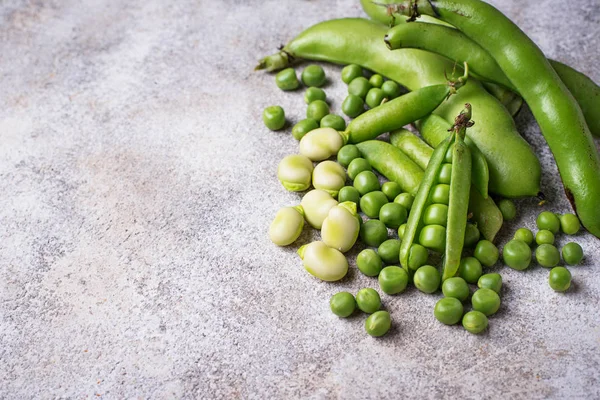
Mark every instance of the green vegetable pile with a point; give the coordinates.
(447, 191)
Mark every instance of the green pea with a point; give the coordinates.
(436, 214)
(287, 80)
(372, 202)
(373, 233)
(348, 193)
(378, 323)
(490, 281)
(486, 301)
(572, 253)
(445, 173)
(417, 256)
(376, 80)
(313, 75)
(449, 154)
(369, 262)
(391, 190)
(440, 194)
(353, 106)
(508, 209)
(544, 237)
(433, 237)
(391, 89)
(486, 253)
(472, 236)
(303, 127)
(389, 251)
(359, 87)
(342, 304)
(474, 322)
(393, 280)
(350, 72)
(559, 279)
(347, 153)
(317, 110)
(375, 97)
(569, 223)
(517, 255)
(314, 93)
(456, 287)
(405, 199)
(448, 310)
(427, 279)
(393, 215)
(368, 300)
(333, 121)
(470, 269)
(549, 221)
(274, 117)
(524, 235)
(357, 166)
(366, 182)
(401, 231)
(547, 255)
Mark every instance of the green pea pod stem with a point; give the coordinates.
(456, 46)
(560, 118)
(359, 41)
(412, 146)
(392, 163)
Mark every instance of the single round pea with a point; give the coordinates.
(369, 262)
(433, 237)
(448, 310)
(549, 221)
(393, 279)
(347, 153)
(470, 269)
(486, 253)
(350, 72)
(366, 182)
(391, 89)
(357, 166)
(436, 214)
(441, 194)
(572, 253)
(401, 231)
(378, 323)
(376, 80)
(490, 281)
(456, 287)
(389, 251)
(544, 237)
(405, 199)
(317, 110)
(303, 127)
(569, 223)
(559, 279)
(359, 87)
(524, 235)
(472, 236)
(374, 97)
(314, 93)
(333, 121)
(445, 173)
(274, 117)
(449, 154)
(313, 75)
(508, 209)
(371, 204)
(353, 106)
(547, 255)
(474, 322)
(486, 301)
(427, 279)
(373, 233)
(517, 255)
(391, 190)
(417, 256)
(348, 193)
(393, 215)
(342, 304)
(368, 300)
(287, 80)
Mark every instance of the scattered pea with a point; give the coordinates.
(366, 182)
(391, 89)
(348, 153)
(313, 75)
(333, 121)
(470, 269)
(393, 280)
(486, 301)
(350, 72)
(359, 87)
(373, 233)
(405, 199)
(475, 322)
(389, 251)
(448, 310)
(549, 221)
(486, 253)
(524, 235)
(303, 127)
(375, 97)
(372, 202)
(353, 106)
(456, 287)
(368, 300)
(274, 117)
(490, 281)
(572, 253)
(357, 166)
(314, 93)
(369, 262)
(376, 80)
(417, 256)
(342, 304)
(287, 80)
(547, 255)
(559, 279)
(508, 209)
(393, 215)
(348, 193)
(517, 255)
(401, 231)
(391, 190)
(378, 323)
(544, 237)
(569, 223)
(317, 110)
(427, 279)
(472, 236)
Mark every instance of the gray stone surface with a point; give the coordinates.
(138, 182)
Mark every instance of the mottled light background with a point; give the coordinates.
(137, 185)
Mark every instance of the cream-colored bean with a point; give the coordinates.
(294, 172)
(340, 229)
(321, 144)
(287, 225)
(329, 176)
(316, 205)
(323, 261)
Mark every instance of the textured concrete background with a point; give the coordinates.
(138, 183)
